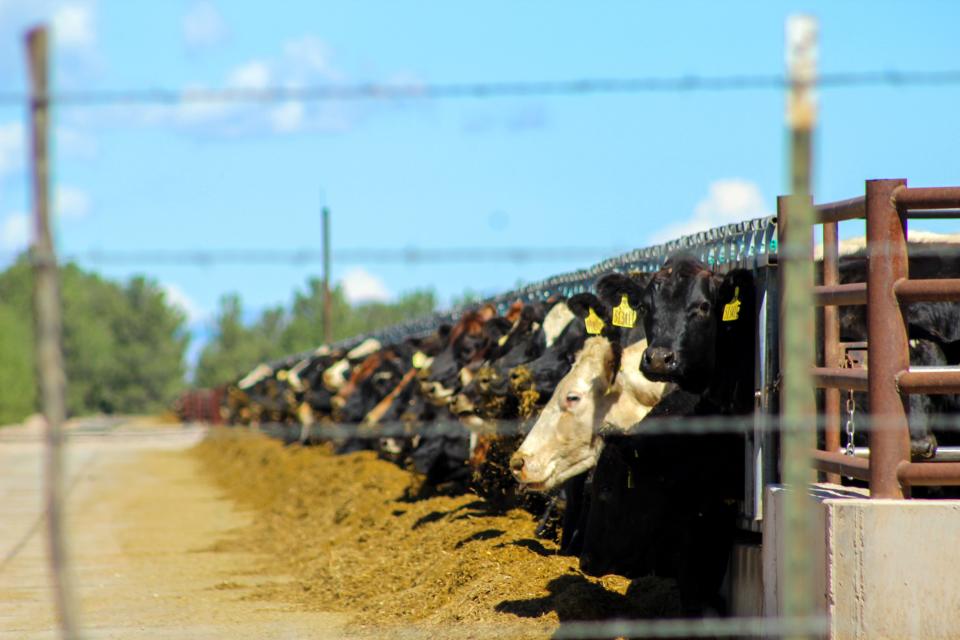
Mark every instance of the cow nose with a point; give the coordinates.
(659, 360)
(516, 464)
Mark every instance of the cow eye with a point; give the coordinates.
(572, 398)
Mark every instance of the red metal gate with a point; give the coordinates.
(886, 206)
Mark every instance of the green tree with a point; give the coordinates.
(123, 345)
(235, 348)
(18, 392)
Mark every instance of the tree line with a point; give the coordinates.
(235, 347)
(125, 344)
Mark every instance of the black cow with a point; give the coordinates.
(488, 394)
(676, 493)
(533, 383)
(934, 332)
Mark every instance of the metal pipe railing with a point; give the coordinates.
(939, 290)
(887, 342)
(851, 209)
(831, 335)
(886, 207)
(840, 378)
(926, 197)
(840, 464)
(929, 380)
(828, 295)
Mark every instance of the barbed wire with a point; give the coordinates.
(483, 90)
(410, 255)
(651, 426)
(407, 255)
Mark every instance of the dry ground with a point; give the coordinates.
(142, 519)
(341, 526)
(240, 537)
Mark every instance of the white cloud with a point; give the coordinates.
(15, 232)
(288, 117)
(73, 26)
(70, 202)
(252, 75)
(178, 298)
(728, 200)
(12, 148)
(361, 286)
(203, 26)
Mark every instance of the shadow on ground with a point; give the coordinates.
(574, 598)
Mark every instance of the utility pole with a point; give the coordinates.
(48, 328)
(798, 407)
(327, 326)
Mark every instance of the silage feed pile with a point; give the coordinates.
(342, 528)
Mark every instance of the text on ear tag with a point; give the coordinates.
(593, 323)
(624, 315)
(418, 360)
(731, 310)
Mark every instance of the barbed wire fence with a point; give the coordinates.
(752, 243)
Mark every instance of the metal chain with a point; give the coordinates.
(851, 425)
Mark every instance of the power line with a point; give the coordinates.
(409, 255)
(480, 90)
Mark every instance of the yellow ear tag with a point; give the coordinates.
(731, 311)
(503, 339)
(593, 323)
(282, 375)
(418, 360)
(624, 315)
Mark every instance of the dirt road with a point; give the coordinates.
(142, 520)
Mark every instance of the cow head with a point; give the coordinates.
(565, 439)
(338, 373)
(466, 346)
(680, 321)
(700, 328)
(535, 381)
(488, 393)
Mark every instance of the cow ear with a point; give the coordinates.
(594, 313)
(582, 303)
(734, 294)
(612, 287)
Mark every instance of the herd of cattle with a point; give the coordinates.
(557, 397)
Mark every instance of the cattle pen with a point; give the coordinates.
(756, 574)
(827, 491)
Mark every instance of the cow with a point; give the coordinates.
(666, 502)
(488, 393)
(597, 393)
(534, 382)
(651, 510)
(466, 346)
(933, 329)
(337, 374)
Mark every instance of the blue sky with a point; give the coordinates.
(604, 171)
